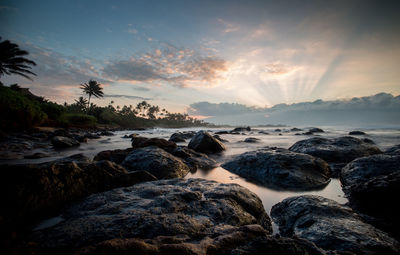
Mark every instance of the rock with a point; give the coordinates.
(130, 136)
(278, 130)
(92, 136)
(251, 140)
(393, 150)
(372, 184)
(37, 155)
(141, 142)
(188, 210)
(316, 130)
(241, 129)
(116, 156)
(224, 132)
(38, 190)
(181, 136)
(64, 142)
(156, 161)
(193, 159)
(248, 239)
(263, 132)
(281, 169)
(337, 150)
(357, 133)
(205, 143)
(220, 139)
(330, 226)
(296, 129)
(106, 133)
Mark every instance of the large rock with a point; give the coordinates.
(336, 151)
(181, 136)
(116, 156)
(241, 129)
(192, 209)
(141, 142)
(248, 239)
(205, 143)
(330, 226)
(393, 150)
(64, 142)
(372, 184)
(193, 159)
(156, 161)
(38, 190)
(281, 169)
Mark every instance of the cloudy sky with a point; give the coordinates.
(177, 53)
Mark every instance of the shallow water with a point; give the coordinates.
(384, 138)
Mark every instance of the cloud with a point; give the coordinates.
(138, 88)
(278, 69)
(179, 67)
(212, 109)
(229, 27)
(128, 96)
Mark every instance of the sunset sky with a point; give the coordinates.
(176, 53)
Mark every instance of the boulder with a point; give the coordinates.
(241, 129)
(181, 136)
(336, 151)
(116, 156)
(296, 129)
(281, 169)
(64, 142)
(224, 132)
(316, 130)
(205, 143)
(356, 132)
(188, 209)
(195, 160)
(372, 184)
(141, 142)
(331, 226)
(220, 139)
(393, 150)
(251, 140)
(156, 161)
(106, 133)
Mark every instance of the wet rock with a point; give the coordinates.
(356, 132)
(316, 130)
(92, 136)
(224, 132)
(296, 129)
(64, 142)
(37, 155)
(251, 140)
(38, 190)
(220, 139)
(393, 150)
(156, 161)
(205, 143)
(193, 159)
(106, 133)
(116, 156)
(263, 132)
(130, 136)
(281, 169)
(372, 184)
(141, 142)
(278, 130)
(189, 209)
(337, 150)
(241, 129)
(330, 226)
(181, 136)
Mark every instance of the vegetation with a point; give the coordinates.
(12, 60)
(92, 88)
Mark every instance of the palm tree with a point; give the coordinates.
(12, 60)
(92, 88)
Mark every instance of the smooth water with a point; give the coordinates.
(384, 138)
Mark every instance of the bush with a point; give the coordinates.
(18, 112)
(53, 110)
(77, 120)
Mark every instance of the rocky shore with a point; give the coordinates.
(135, 200)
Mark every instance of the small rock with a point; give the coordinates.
(316, 130)
(357, 133)
(141, 142)
(251, 140)
(64, 142)
(205, 143)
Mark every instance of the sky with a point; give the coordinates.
(177, 53)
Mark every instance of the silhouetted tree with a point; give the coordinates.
(12, 60)
(81, 103)
(92, 88)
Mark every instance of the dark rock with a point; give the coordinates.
(337, 150)
(130, 136)
(393, 150)
(357, 133)
(372, 184)
(37, 155)
(281, 169)
(220, 139)
(38, 190)
(156, 161)
(308, 133)
(189, 209)
(278, 130)
(330, 226)
(81, 138)
(116, 156)
(241, 129)
(106, 133)
(316, 130)
(193, 159)
(141, 142)
(263, 132)
(205, 143)
(224, 132)
(296, 129)
(64, 142)
(92, 136)
(181, 136)
(251, 140)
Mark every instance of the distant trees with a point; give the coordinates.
(92, 88)
(12, 60)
